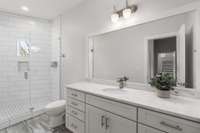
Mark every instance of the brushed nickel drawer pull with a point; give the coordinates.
(74, 112)
(75, 95)
(107, 123)
(171, 126)
(75, 104)
(102, 121)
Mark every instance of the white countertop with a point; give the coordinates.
(187, 108)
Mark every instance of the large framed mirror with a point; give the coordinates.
(142, 51)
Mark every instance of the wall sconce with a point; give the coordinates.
(125, 13)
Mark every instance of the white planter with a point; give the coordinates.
(163, 93)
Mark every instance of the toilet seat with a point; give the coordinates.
(56, 104)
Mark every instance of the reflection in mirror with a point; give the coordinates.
(166, 63)
(142, 51)
(23, 48)
(163, 56)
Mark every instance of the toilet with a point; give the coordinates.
(55, 112)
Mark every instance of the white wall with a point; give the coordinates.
(93, 16)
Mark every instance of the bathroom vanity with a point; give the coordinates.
(97, 108)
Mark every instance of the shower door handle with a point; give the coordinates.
(26, 75)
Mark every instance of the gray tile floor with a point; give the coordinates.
(61, 129)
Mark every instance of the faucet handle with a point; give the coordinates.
(119, 79)
(122, 79)
(125, 78)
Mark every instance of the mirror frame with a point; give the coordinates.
(193, 7)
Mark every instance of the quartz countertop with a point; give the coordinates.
(183, 107)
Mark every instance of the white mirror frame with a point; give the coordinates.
(195, 7)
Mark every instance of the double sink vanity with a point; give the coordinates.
(98, 108)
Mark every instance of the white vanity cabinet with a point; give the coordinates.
(75, 111)
(145, 129)
(106, 116)
(95, 120)
(88, 113)
(167, 123)
(99, 121)
(117, 124)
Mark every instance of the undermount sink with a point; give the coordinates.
(114, 90)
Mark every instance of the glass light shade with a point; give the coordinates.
(127, 13)
(114, 17)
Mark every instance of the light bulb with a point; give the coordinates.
(127, 13)
(114, 17)
(25, 8)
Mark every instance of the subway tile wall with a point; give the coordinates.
(42, 84)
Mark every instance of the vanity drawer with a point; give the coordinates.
(76, 126)
(76, 94)
(76, 104)
(76, 113)
(145, 129)
(120, 109)
(167, 123)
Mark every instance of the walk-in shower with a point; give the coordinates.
(29, 67)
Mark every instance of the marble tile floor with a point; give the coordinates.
(61, 129)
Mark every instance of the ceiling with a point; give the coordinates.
(155, 3)
(49, 9)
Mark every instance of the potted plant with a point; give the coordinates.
(164, 82)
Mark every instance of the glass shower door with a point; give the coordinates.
(40, 61)
(14, 86)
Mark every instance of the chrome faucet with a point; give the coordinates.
(122, 82)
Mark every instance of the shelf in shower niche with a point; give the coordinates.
(23, 66)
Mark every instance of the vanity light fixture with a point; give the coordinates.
(127, 11)
(123, 13)
(115, 15)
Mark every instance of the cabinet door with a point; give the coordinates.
(145, 129)
(117, 124)
(75, 125)
(95, 120)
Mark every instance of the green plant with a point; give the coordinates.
(163, 81)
